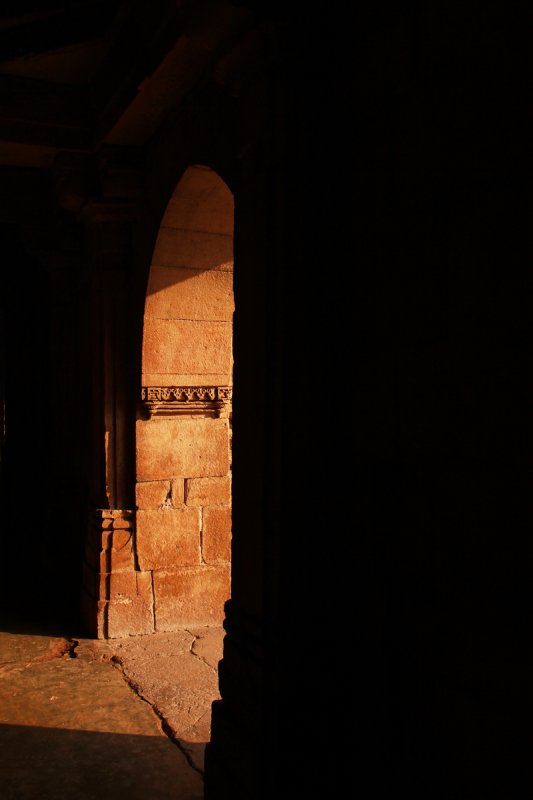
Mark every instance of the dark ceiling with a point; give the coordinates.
(79, 74)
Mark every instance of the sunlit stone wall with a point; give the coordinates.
(179, 573)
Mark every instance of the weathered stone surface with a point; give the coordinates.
(101, 620)
(130, 609)
(125, 585)
(160, 494)
(120, 587)
(191, 448)
(129, 619)
(180, 293)
(201, 202)
(117, 514)
(105, 559)
(176, 247)
(195, 347)
(177, 674)
(152, 494)
(122, 523)
(190, 597)
(178, 492)
(75, 729)
(121, 538)
(216, 534)
(168, 538)
(115, 551)
(185, 379)
(208, 491)
(192, 214)
(121, 555)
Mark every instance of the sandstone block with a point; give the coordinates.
(178, 492)
(151, 494)
(125, 585)
(190, 597)
(168, 538)
(121, 587)
(129, 619)
(122, 523)
(121, 538)
(101, 619)
(216, 534)
(121, 555)
(171, 448)
(104, 556)
(130, 608)
(196, 347)
(180, 293)
(105, 560)
(208, 491)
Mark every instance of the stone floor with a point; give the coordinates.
(83, 719)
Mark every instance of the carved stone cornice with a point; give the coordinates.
(169, 401)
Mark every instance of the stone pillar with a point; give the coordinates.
(120, 593)
(116, 598)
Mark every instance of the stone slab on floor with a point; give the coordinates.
(72, 728)
(176, 673)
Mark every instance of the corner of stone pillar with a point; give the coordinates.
(117, 598)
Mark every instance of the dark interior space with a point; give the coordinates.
(41, 559)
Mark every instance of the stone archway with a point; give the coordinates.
(183, 458)
(166, 563)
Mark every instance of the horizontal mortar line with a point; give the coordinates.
(189, 319)
(194, 230)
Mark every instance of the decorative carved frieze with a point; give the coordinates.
(168, 401)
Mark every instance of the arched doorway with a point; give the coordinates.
(165, 563)
(183, 453)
